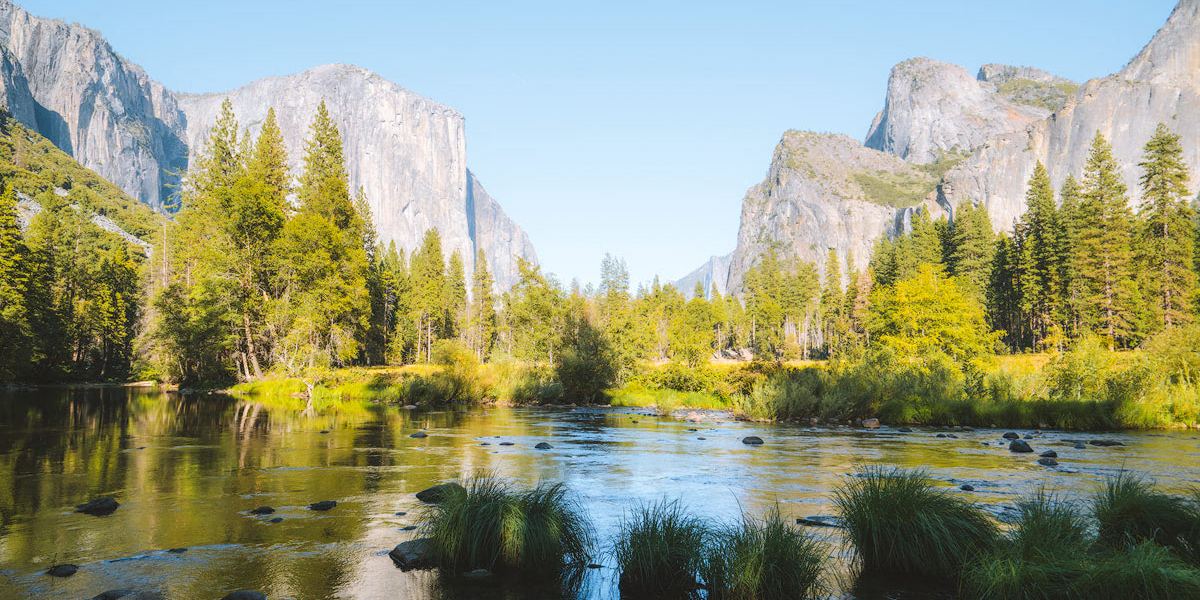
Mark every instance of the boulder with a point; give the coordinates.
(276, 520)
(870, 423)
(244, 595)
(408, 528)
(1019, 446)
(98, 507)
(905, 430)
(413, 554)
(543, 446)
(1012, 435)
(1105, 443)
(177, 550)
(752, 440)
(478, 575)
(323, 505)
(1081, 446)
(419, 435)
(967, 487)
(262, 510)
(1047, 462)
(62, 570)
(1049, 454)
(440, 492)
(506, 443)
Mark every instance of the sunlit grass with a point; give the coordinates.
(660, 552)
(765, 559)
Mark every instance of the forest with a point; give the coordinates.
(265, 274)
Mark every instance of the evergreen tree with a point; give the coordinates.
(454, 297)
(14, 289)
(1168, 239)
(1039, 237)
(1071, 260)
(971, 248)
(428, 276)
(1105, 242)
(832, 303)
(483, 308)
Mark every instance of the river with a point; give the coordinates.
(187, 468)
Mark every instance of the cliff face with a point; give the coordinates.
(1160, 85)
(408, 153)
(67, 84)
(824, 191)
(935, 110)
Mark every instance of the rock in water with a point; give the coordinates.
(98, 507)
(1049, 454)
(276, 520)
(244, 595)
(1012, 435)
(419, 435)
(440, 492)
(262, 510)
(905, 430)
(1105, 443)
(1019, 446)
(323, 505)
(870, 423)
(62, 570)
(752, 440)
(1047, 462)
(543, 446)
(413, 554)
(478, 575)
(967, 487)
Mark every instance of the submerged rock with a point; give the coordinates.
(1019, 446)
(323, 505)
(440, 492)
(276, 520)
(967, 487)
(905, 430)
(1081, 446)
(413, 554)
(1105, 443)
(98, 507)
(819, 521)
(506, 444)
(478, 575)
(752, 440)
(177, 550)
(1012, 435)
(262, 510)
(62, 570)
(543, 446)
(244, 595)
(127, 595)
(408, 528)
(419, 435)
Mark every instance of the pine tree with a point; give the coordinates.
(1168, 240)
(1038, 238)
(1071, 259)
(1003, 298)
(483, 308)
(269, 162)
(832, 303)
(14, 289)
(971, 248)
(454, 296)
(1105, 242)
(428, 276)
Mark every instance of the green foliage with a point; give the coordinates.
(898, 523)
(1129, 511)
(1167, 244)
(660, 552)
(765, 559)
(896, 189)
(1049, 96)
(588, 365)
(541, 532)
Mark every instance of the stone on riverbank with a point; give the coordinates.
(870, 423)
(1019, 446)
(439, 492)
(1047, 462)
(413, 554)
(98, 507)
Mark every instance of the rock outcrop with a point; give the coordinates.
(1027, 85)
(825, 191)
(408, 153)
(714, 272)
(1160, 85)
(937, 111)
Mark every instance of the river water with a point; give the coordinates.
(186, 469)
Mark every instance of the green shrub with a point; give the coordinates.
(539, 532)
(660, 552)
(898, 523)
(765, 559)
(588, 365)
(1144, 571)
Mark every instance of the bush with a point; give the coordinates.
(765, 559)
(458, 382)
(514, 383)
(1144, 571)
(660, 552)
(588, 364)
(538, 532)
(899, 524)
(1129, 511)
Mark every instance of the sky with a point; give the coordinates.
(631, 128)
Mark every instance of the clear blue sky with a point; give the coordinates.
(626, 127)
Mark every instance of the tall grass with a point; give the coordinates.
(660, 552)
(765, 559)
(1144, 571)
(1129, 510)
(539, 532)
(898, 523)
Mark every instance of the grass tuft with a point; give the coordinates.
(660, 551)
(1129, 510)
(761, 559)
(899, 524)
(537, 532)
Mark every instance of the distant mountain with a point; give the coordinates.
(407, 152)
(974, 139)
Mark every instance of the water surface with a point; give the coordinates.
(186, 469)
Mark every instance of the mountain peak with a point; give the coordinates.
(1172, 58)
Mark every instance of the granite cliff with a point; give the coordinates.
(408, 153)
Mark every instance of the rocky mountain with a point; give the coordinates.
(714, 272)
(825, 191)
(408, 153)
(1160, 85)
(1027, 85)
(938, 111)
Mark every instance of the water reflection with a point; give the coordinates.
(187, 468)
